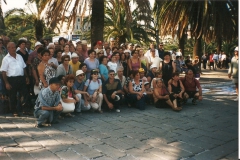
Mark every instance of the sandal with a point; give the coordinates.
(177, 109)
(100, 111)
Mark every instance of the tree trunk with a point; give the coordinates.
(97, 21)
(197, 49)
(39, 25)
(181, 43)
(219, 44)
(2, 25)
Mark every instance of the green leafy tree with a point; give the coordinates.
(208, 19)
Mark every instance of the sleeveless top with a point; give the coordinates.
(137, 87)
(176, 89)
(48, 73)
(135, 66)
(167, 68)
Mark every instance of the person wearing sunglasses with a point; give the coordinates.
(65, 68)
(94, 88)
(78, 88)
(112, 90)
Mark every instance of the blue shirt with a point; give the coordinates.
(91, 65)
(93, 86)
(78, 86)
(47, 98)
(103, 71)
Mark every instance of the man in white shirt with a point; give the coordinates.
(15, 77)
(154, 60)
(53, 61)
(148, 53)
(179, 53)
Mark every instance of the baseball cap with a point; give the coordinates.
(93, 71)
(153, 66)
(54, 80)
(38, 44)
(78, 72)
(74, 55)
(236, 49)
(141, 70)
(99, 42)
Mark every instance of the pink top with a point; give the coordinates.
(135, 66)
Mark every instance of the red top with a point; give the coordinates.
(190, 86)
(211, 58)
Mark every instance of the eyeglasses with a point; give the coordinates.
(81, 75)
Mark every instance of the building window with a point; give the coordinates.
(78, 19)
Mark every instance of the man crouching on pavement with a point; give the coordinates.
(190, 84)
(48, 106)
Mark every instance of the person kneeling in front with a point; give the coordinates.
(48, 106)
(112, 90)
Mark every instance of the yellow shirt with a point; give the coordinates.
(75, 67)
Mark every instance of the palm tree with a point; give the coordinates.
(200, 16)
(57, 10)
(116, 25)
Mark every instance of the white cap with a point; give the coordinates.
(51, 45)
(146, 83)
(74, 55)
(78, 72)
(126, 50)
(84, 42)
(38, 44)
(78, 40)
(236, 49)
(153, 66)
(111, 39)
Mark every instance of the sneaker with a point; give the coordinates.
(118, 110)
(236, 99)
(194, 101)
(117, 98)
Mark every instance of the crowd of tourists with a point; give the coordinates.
(67, 79)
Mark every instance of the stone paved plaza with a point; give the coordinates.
(207, 131)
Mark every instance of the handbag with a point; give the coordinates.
(36, 90)
(67, 107)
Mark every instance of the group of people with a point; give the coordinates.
(105, 77)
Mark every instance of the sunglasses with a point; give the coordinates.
(95, 73)
(81, 75)
(66, 60)
(111, 74)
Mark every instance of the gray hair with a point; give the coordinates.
(120, 68)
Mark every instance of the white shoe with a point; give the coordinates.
(236, 99)
(117, 98)
(118, 110)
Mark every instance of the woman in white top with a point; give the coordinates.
(66, 51)
(112, 65)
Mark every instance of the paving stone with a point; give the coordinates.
(163, 155)
(117, 144)
(90, 141)
(206, 155)
(3, 155)
(173, 150)
(15, 134)
(51, 144)
(232, 156)
(69, 154)
(17, 153)
(187, 147)
(135, 143)
(66, 139)
(63, 128)
(142, 155)
(28, 144)
(86, 151)
(43, 154)
(110, 151)
(97, 135)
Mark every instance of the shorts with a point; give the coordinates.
(235, 80)
(191, 94)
